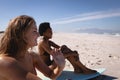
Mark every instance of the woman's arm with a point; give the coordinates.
(54, 44)
(11, 70)
(60, 62)
(43, 46)
(41, 66)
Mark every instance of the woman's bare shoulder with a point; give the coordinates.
(7, 65)
(7, 62)
(6, 59)
(41, 43)
(11, 69)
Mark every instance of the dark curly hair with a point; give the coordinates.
(43, 27)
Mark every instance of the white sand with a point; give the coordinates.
(95, 51)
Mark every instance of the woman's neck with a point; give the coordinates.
(45, 38)
(21, 54)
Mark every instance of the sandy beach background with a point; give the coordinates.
(95, 51)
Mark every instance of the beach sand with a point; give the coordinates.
(95, 51)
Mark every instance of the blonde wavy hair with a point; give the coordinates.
(13, 41)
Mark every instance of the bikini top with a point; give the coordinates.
(46, 54)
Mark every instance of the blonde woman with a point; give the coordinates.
(16, 62)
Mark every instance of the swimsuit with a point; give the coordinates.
(48, 61)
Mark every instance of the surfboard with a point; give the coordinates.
(70, 75)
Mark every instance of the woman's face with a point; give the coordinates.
(48, 33)
(31, 36)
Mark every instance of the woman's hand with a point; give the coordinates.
(58, 58)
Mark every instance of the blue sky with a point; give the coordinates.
(64, 15)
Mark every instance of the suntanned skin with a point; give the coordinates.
(20, 68)
(45, 46)
(17, 70)
(23, 66)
